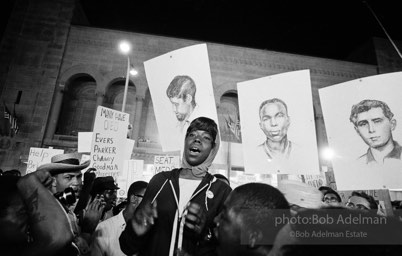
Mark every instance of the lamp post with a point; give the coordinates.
(125, 48)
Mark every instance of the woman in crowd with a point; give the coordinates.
(177, 212)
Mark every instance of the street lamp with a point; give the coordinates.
(125, 48)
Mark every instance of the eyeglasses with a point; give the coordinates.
(357, 206)
(330, 199)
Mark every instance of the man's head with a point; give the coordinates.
(107, 187)
(66, 172)
(248, 221)
(13, 213)
(374, 122)
(331, 197)
(361, 201)
(274, 119)
(136, 193)
(181, 93)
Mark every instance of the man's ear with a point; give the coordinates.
(254, 238)
(53, 185)
(189, 98)
(393, 124)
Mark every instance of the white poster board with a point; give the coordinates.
(39, 156)
(181, 66)
(354, 166)
(84, 142)
(132, 172)
(288, 122)
(166, 163)
(109, 141)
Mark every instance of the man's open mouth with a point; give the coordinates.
(195, 150)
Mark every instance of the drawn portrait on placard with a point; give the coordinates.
(363, 131)
(278, 126)
(374, 122)
(181, 89)
(181, 93)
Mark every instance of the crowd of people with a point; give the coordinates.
(63, 208)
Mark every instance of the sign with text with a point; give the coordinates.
(39, 156)
(109, 141)
(166, 163)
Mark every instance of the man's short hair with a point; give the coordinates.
(366, 105)
(331, 191)
(136, 187)
(180, 86)
(273, 100)
(370, 199)
(204, 124)
(260, 204)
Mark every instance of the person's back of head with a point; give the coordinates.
(249, 221)
(13, 215)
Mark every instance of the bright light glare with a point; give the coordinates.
(133, 72)
(125, 47)
(327, 153)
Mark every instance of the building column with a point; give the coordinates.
(100, 96)
(55, 112)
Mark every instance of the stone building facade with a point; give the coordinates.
(63, 71)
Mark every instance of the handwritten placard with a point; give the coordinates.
(166, 163)
(84, 142)
(39, 156)
(109, 141)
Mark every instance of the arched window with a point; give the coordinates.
(78, 107)
(229, 119)
(114, 98)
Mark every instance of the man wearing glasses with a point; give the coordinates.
(107, 233)
(331, 197)
(361, 201)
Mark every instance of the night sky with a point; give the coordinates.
(331, 29)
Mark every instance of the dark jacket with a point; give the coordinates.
(157, 240)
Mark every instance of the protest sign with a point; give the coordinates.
(109, 141)
(39, 156)
(166, 163)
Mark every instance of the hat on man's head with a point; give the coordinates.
(103, 183)
(301, 194)
(62, 163)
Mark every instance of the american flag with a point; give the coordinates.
(234, 127)
(12, 119)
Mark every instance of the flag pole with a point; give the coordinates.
(385, 31)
